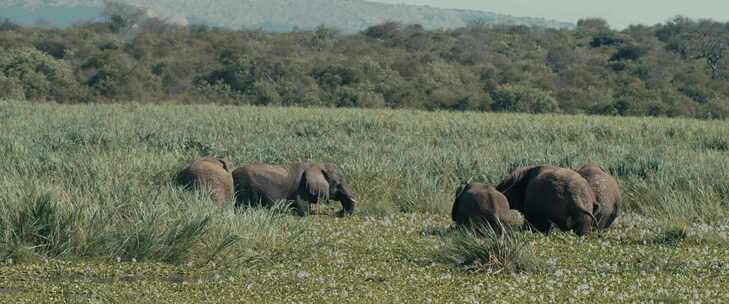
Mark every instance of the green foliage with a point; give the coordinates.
(640, 71)
(11, 88)
(592, 26)
(37, 75)
(517, 98)
(122, 16)
(117, 76)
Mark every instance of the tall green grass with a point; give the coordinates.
(95, 181)
(481, 249)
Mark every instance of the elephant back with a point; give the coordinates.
(562, 184)
(209, 174)
(479, 202)
(261, 183)
(515, 185)
(562, 197)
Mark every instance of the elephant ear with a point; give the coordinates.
(315, 183)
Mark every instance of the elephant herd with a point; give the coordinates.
(578, 200)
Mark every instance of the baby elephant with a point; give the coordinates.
(210, 174)
(302, 183)
(480, 204)
(607, 194)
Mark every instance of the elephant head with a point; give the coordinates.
(323, 181)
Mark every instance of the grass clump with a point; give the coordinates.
(640, 167)
(671, 236)
(40, 226)
(716, 144)
(481, 249)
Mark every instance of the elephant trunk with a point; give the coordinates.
(347, 199)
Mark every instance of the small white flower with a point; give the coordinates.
(303, 275)
(477, 288)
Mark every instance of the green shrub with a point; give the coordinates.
(484, 250)
(41, 76)
(518, 98)
(591, 69)
(11, 88)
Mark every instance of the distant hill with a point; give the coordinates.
(271, 15)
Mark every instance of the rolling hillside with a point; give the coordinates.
(270, 15)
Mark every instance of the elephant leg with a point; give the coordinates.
(495, 223)
(246, 197)
(538, 223)
(562, 224)
(243, 200)
(608, 221)
(303, 207)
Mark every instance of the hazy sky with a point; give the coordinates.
(619, 13)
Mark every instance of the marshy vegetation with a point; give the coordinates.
(89, 210)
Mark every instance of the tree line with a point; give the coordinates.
(678, 68)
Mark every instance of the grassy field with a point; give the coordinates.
(88, 212)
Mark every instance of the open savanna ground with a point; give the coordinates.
(89, 212)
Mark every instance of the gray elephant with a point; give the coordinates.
(607, 194)
(549, 195)
(302, 183)
(480, 204)
(210, 174)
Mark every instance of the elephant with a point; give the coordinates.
(607, 194)
(479, 204)
(302, 183)
(549, 194)
(211, 174)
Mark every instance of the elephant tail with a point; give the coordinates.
(581, 225)
(594, 220)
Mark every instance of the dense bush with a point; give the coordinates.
(519, 98)
(33, 74)
(672, 69)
